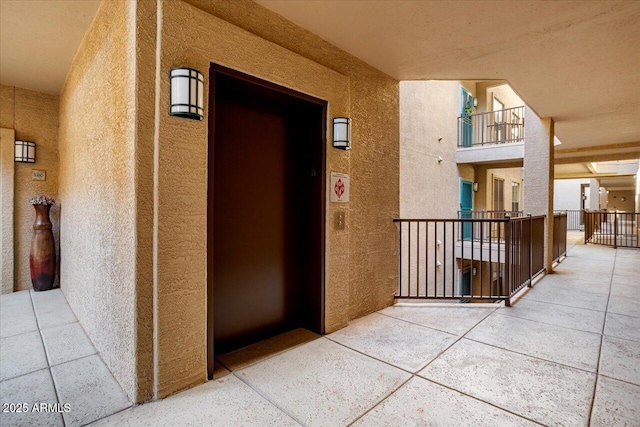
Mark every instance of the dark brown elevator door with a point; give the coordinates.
(267, 193)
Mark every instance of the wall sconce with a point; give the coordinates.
(187, 93)
(475, 102)
(475, 186)
(342, 133)
(474, 271)
(25, 151)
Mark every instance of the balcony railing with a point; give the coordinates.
(469, 259)
(617, 229)
(575, 218)
(559, 235)
(494, 127)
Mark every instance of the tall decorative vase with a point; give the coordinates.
(42, 259)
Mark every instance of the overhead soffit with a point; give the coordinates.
(39, 39)
(574, 61)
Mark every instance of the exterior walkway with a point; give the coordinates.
(567, 353)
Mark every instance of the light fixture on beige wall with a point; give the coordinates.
(25, 151)
(475, 186)
(342, 133)
(187, 93)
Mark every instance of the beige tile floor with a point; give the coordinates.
(566, 353)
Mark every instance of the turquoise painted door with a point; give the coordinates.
(466, 206)
(466, 123)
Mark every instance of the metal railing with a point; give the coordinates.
(494, 127)
(617, 229)
(489, 214)
(575, 218)
(560, 221)
(469, 259)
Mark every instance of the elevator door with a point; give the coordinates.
(267, 231)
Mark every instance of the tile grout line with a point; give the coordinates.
(265, 397)
(548, 324)
(46, 355)
(388, 395)
(431, 327)
(604, 324)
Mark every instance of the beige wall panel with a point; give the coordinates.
(616, 203)
(7, 173)
(428, 188)
(97, 188)
(182, 183)
(35, 119)
(7, 96)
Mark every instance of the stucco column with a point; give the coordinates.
(538, 174)
(594, 195)
(7, 172)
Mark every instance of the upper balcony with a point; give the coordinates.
(495, 136)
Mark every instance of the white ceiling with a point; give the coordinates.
(38, 40)
(575, 61)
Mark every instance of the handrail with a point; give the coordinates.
(492, 127)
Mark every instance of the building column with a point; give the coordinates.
(539, 175)
(594, 195)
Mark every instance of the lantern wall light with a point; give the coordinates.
(187, 93)
(25, 151)
(342, 133)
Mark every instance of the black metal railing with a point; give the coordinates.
(575, 218)
(617, 229)
(560, 221)
(469, 259)
(489, 214)
(494, 127)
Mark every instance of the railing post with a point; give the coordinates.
(615, 229)
(507, 259)
(530, 250)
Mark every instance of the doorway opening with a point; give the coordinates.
(266, 211)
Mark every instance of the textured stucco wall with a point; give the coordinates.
(567, 194)
(7, 173)
(428, 188)
(97, 188)
(615, 200)
(504, 94)
(34, 117)
(273, 49)
(538, 174)
(484, 196)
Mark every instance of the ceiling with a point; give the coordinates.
(574, 61)
(39, 39)
(613, 174)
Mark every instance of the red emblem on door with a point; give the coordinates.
(339, 188)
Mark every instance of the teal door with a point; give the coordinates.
(466, 122)
(466, 206)
(465, 284)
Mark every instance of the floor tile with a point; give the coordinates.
(544, 391)
(219, 371)
(66, 342)
(566, 346)
(628, 267)
(620, 359)
(16, 314)
(421, 402)
(34, 388)
(89, 386)
(568, 297)
(624, 305)
(405, 345)
(559, 315)
(616, 404)
(247, 356)
(323, 383)
(455, 320)
(21, 354)
(52, 309)
(621, 326)
(576, 285)
(227, 401)
(626, 290)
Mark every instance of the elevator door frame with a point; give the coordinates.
(214, 70)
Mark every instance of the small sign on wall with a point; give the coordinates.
(339, 187)
(37, 175)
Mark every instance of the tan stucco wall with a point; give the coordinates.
(34, 117)
(616, 203)
(483, 199)
(429, 188)
(7, 173)
(97, 188)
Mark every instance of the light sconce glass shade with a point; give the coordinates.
(25, 151)
(342, 133)
(475, 102)
(187, 93)
(475, 186)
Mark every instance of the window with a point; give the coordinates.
(498, 120)
(497, 109)
(515, 126)
(515, 196)
(498, 194)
